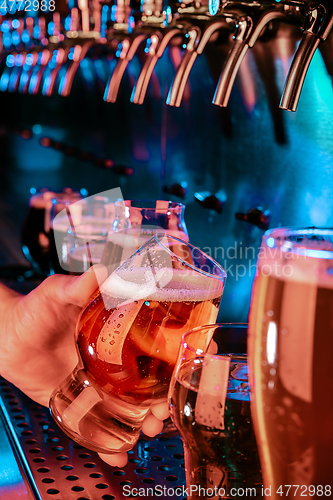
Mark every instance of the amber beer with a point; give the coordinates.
(290, 357)
(133, 345)
(128, 338)
(128, 349)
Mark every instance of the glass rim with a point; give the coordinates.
(208, 355)
(279, 239)
(299, 230)
(159, 234)
(144, 202)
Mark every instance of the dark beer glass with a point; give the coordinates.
(290, 358)
(209, 400)
(36, 234)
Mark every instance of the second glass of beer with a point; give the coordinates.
(209, 400)
(290, 358)
(128, 338)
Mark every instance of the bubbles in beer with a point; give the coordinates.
(216, 432)
(142, 334)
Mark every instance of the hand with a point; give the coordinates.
(38, 341)
(38, 351)
(152, 425)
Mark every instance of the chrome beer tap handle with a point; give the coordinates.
(127, 49)
(162, 23)
(78, 52)
(199, 35)
(57, 61)
(80, 42)
(124, 42)
(35, 81)
(158, 43)
(34, 45)
(55, 51)
(43, 55)
(249, 24)
(178, 85)
(319, 22)
(232, 63)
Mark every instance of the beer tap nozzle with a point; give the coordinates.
(250, 23)
(198, 39)
(127, 49)
(158, 43)
(232, 63)
(319, 22)
(80, 42)
(80, 52)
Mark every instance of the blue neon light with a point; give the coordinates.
(270, 242)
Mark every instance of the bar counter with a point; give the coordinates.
(38, 461)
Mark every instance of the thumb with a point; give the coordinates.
(79, 290)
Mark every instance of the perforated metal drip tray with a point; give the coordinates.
(56, 467)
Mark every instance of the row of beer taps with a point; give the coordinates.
(42, 53)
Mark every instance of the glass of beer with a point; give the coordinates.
(148, 215)
(136, 221)
(80, 234)
(209, 400)
(128, 337)
(36, 234)
(290, 349)
(111, 232)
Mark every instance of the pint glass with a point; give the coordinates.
(79, 234)
(209, 401)
(37, 238)
(136, 221)
(128, 338)
(290, 349)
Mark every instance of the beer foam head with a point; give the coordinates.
(128, 237)
(304, 256)
(182, 286)
(87, 225)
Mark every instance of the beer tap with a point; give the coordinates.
(249, 20)
(80, 41)
(38, 55)
(126, 42)
(27, 37)
(256, 217)
(59, 50)
(201, 26)
(317, 26)
(16, 58)
(161, 34)
(49, 39)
